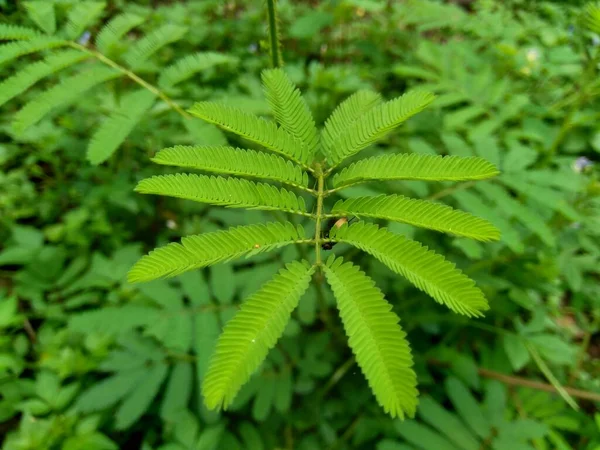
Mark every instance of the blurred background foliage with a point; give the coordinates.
(90, 362)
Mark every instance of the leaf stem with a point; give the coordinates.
(128, 73)
(319, 213)
(276, 59)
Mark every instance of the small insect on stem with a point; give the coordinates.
(331, 224)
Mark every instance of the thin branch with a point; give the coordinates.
(526, 382)
(128, 73)
(276, 59)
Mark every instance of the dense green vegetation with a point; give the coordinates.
(91, 91)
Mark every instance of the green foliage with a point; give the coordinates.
(419, 213)
(376, 338)
(253, 331)
(234, 161)
(90, 361)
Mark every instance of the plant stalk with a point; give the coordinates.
(319, 214)
(276, 59)
(129, 74)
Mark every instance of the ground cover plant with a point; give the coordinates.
(359, 143)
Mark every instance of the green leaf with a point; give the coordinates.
(422, 437)
(115, 129)
(13, 50)
(438, 417)
(376, 338)
(231, 192)
(375, 124)
(251, 437)
(139, 52)
(253, 128)
(140, 399)
(345, 116)
(427, 270)
(289, 108)
(263, 402)
(15, 32)
(516, 351)
(32, 73)
(178, 390)
(42, 13)
(186, 67)
(114, 30)
(248, 337)
(467, 407)
(81, 15)
(234, 161)
(414, 166)
(69, 90)
(419, 213)
(109, 391)
(222, 281)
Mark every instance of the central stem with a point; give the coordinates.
(321, 184)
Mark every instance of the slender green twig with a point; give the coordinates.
(276, 59)
(129, 74)
(550, 376)
(319, 213)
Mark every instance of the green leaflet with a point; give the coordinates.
(231, 192)
(254, 330)
(427, 270)
(114, 30)
(419, 213)
(344, 117)
(206, 249)
(184, 68)
(233, 161)
(290, 108)
(115, 129)
(13, 50)
(67, 91)
(414, 166)
(10, 32)
(375, 124)
(32, 73)
(254, 129)
(152, 42)
(80, 16)
(376, 338)
(42, 13)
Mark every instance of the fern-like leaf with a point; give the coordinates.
(376, 123)
(114, 30)
(67, 91)
(344, 117)
(13, 50)
(376, 338)
(590, 17)
(206, 249)
(15, 32)
(253, 128)
(427, 270)
(419, 213)
(80, 16)
(234, 161)
(413, 166)
(152, 42)
(184, 68)
(289, 108)
(230, 192)
(111, 134)
(32, 73)
(42, 14)
(253, 331)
